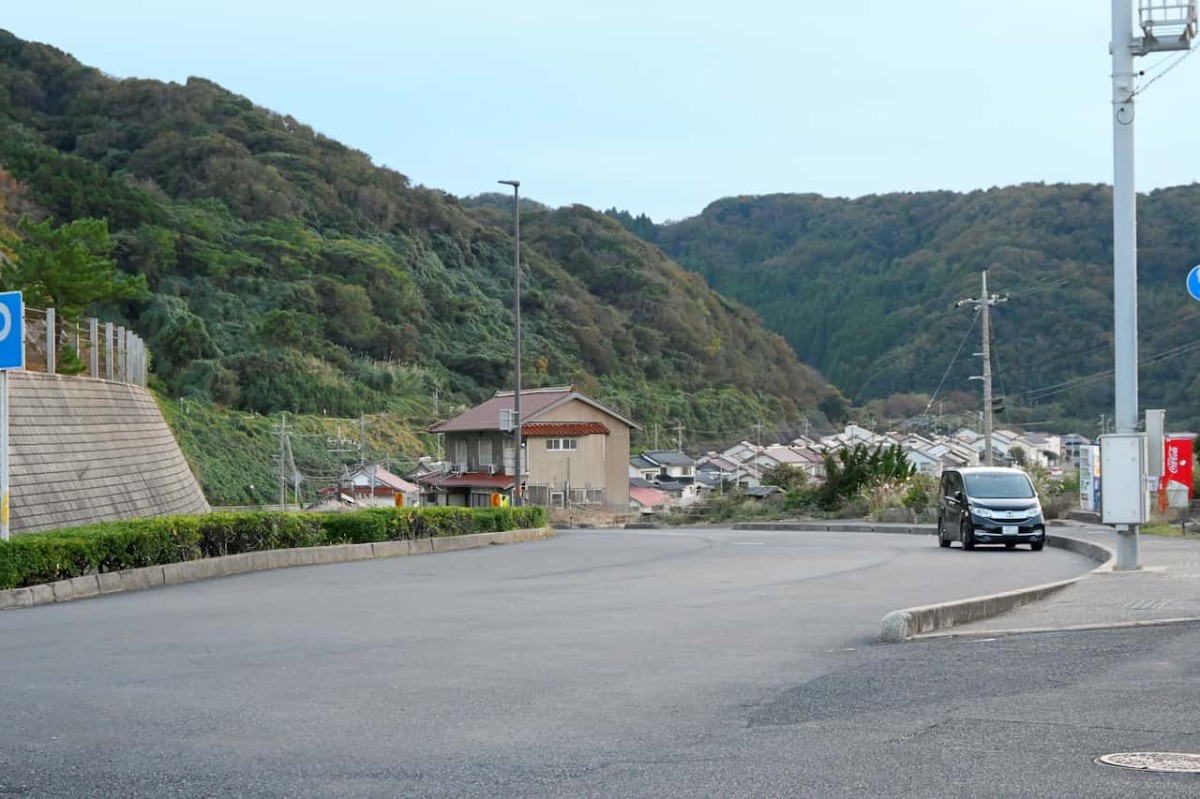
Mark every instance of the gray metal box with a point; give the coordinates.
(1124, 498)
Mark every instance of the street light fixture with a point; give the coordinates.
(516, 184)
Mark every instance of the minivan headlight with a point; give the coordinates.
(986, 513)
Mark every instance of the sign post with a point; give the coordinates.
(12, 356)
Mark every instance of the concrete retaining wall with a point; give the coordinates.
(85, 450)
(192, 570)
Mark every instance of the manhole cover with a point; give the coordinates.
(1180, 762)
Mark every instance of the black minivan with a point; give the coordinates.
(989, 505)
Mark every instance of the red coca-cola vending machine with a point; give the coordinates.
(1177, 468)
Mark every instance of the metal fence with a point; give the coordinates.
(88, 347)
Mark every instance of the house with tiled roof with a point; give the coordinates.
(645, 498)
(575, 450)
(672, 465)
(372, 485)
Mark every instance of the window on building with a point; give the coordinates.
(460, 452)
(558, 444)
(485, 452)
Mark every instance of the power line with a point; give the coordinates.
(953, 360)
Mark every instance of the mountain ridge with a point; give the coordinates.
(288, 272)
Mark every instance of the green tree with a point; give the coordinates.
(855, 468)
(786, 476)
(69, 267)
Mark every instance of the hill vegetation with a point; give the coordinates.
(270, 268)
(865, 290)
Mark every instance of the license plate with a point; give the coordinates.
(1009, 529)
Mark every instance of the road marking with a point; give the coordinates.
(748, 543)
(1146, 604)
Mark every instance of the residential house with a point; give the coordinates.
(676, 474)
(672, 465)
(574, 449)
(924, 461)
(373, 485)
(643, 468)
(713, 468)
(645, 498)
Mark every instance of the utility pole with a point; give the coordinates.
(984, 303)
(758, 445)
(283, 461)
(362, 441)
(679, 437)
(656, 436)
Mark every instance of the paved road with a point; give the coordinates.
(649, 663)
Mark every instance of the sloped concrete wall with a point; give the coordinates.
(84, 450)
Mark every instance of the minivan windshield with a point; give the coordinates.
(999, 486)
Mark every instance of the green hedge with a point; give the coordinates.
(35, 558)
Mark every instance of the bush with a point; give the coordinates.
(34, 558)
(45, 557)
(232, 533)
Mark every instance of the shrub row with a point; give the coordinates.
(35, 558)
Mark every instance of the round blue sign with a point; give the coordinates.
(1193, 282)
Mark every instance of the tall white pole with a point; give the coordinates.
(1124, 247)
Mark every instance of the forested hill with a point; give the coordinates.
(284, 271)
(865, 290)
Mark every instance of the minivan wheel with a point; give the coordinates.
(942, 541)
(1037, 546)
(967, 536)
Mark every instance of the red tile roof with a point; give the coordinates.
(564, 429)
(648, 497)
(500, 482)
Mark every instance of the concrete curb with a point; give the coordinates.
(1113, 625)
(901, 625)
(840, 527)
(191, 570)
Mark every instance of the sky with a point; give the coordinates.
(664, 106)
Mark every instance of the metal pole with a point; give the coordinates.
(282, 461)
(516, 185)
(108, 350)
(1124, 247)
(987, 375)
(51, 341)
(121, 366)
(4, 498)
(94, 340)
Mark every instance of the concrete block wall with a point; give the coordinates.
(83, 450)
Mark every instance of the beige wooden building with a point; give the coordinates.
(576, 451)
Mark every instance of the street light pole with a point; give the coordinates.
(516, 185)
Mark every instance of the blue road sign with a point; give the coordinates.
(12, 330)
(1193, 282)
